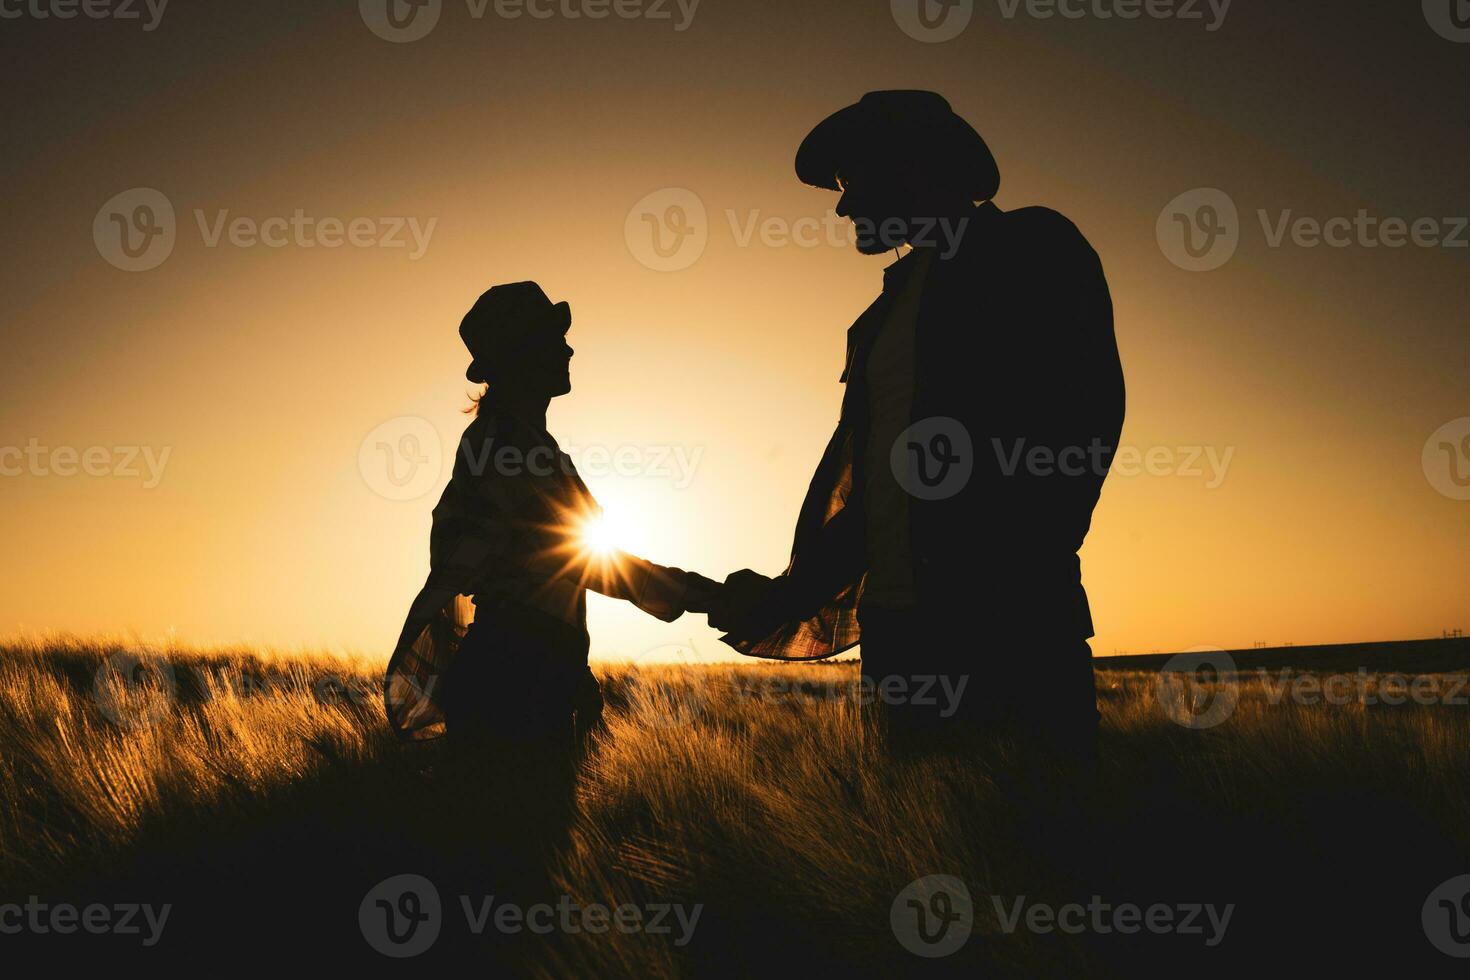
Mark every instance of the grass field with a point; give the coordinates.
(262, 799)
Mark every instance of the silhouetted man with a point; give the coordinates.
(983, 405)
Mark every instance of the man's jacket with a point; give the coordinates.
(1014, 342)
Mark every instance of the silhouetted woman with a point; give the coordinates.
(507, 537)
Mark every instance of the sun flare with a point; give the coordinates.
(602, 535)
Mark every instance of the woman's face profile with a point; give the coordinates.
(543, 365)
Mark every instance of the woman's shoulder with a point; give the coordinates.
(497, 448)
(476, 446)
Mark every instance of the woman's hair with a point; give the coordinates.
(473, 408)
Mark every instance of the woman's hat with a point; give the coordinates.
(503, 318)
(899, 125)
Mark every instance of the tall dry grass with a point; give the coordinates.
(755, 792)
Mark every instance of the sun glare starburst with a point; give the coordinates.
(601, 535)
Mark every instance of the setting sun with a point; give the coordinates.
(602, 535)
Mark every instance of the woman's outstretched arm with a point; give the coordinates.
(663, 592)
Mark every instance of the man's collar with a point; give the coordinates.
(896, 274)
(977, 218)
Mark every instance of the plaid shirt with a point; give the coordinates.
(506, 536)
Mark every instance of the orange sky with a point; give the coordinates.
(521, 146)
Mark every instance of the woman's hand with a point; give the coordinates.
(701, 595)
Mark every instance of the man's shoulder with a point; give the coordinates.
(1042, 225)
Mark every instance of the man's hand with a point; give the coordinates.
(741, 597)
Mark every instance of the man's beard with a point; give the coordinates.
(877, 237)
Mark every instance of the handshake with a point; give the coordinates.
(744, 604)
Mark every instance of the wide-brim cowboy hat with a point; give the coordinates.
(502, 319)
(910, 125)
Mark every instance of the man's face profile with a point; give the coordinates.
(877, 201)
